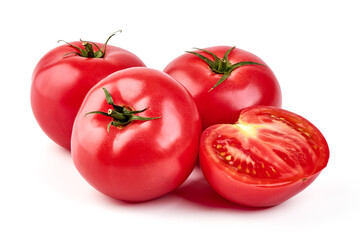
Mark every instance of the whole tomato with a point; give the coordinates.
(136, 135)
(62, 78)
(224, 80)
(265, 158)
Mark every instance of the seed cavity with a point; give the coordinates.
(242, 159)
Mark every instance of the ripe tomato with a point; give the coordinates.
(144, 148)
(223, 87)
(61, 80)
(265, 158)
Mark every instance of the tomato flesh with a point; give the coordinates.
(267, 148)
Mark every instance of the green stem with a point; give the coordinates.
(88, 50)
(222, 66)
(121, 115)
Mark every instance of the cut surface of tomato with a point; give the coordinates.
(267, 148)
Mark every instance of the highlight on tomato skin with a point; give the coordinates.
(265, 158)
(216, 76)
(64, 75)
(131, 141)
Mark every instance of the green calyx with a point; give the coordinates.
(121, 115)
(223, 65)
(88, 50)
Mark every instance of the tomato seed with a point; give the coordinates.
(307, 134)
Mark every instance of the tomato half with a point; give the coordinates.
(149, 154)
(265, 158)
(229, 80)
(61, 80)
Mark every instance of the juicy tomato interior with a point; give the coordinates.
(270, 146)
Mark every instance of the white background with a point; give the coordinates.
(312, 47)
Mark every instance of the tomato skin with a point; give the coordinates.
(143, 160)
(60, 83)
(246, 194)
(247, 85)
(256, 192)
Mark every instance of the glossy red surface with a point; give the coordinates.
(143, 160)
(59, 85)
(247, 85)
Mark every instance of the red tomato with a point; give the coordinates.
(248, 81)
(144, 158)
(268, 156)
(60, 83)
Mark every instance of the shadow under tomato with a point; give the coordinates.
(195, 191)
(198, 191)
(57, 151)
